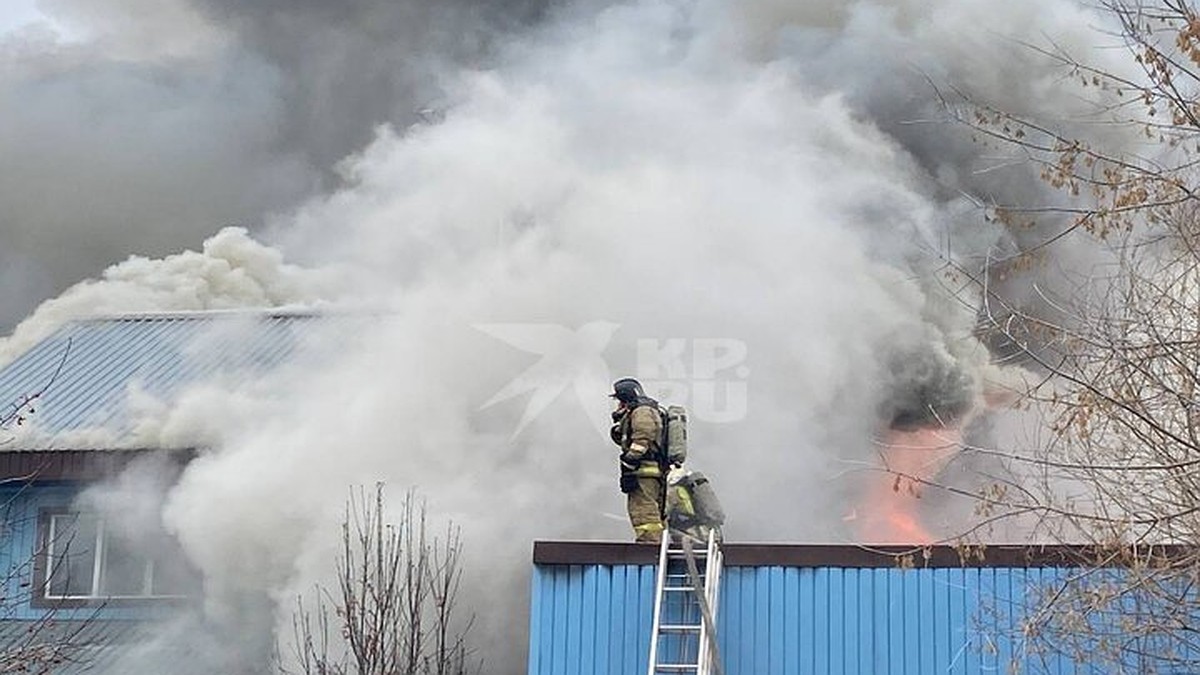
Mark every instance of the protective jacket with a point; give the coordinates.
(639, 433)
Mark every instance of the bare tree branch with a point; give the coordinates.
(393, 609)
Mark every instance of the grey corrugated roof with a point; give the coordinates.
(87, 369)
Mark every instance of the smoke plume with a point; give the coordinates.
(759, 176)
(134, 126)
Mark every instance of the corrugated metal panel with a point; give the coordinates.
(591, 619)
(76, 465)
(103, 360)
(800, 620)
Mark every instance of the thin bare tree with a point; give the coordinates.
(392, 609)
(48, 639)
(1114, 358)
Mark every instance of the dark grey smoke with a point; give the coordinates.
(142, 137)
(349, 66)
(928, 388)
(909, 66)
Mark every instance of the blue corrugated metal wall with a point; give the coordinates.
(591, 619)
(594, 619)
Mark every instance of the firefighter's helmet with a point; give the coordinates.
(628, 390)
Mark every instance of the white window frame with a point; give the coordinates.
(98, 560)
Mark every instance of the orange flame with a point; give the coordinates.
(890, 513)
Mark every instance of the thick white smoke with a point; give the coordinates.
(231, 271)
(706, 172)
(134, 125)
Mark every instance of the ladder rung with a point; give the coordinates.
(684, 569)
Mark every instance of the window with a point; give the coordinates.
(87, 558)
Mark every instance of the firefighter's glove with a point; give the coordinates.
(628, 464)
(629, 482)
(614, 432)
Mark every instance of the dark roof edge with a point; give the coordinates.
(281, 312)
(49, 465)
(295, 311)
(862, 555)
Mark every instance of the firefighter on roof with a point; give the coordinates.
(638, 430)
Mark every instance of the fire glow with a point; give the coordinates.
(911, 458)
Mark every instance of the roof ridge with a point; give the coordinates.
(202, 314)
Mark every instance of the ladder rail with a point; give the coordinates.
(705, 591)
(659, 585)
(707, 658)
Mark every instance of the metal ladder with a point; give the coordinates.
(684, 637)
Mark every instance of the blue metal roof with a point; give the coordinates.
(83, 374)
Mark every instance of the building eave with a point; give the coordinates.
(76, 465)
(862, 555)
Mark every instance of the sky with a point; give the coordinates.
(747, 204)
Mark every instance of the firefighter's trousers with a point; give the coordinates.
(645, 509)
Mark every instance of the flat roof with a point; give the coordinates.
(861, 555)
